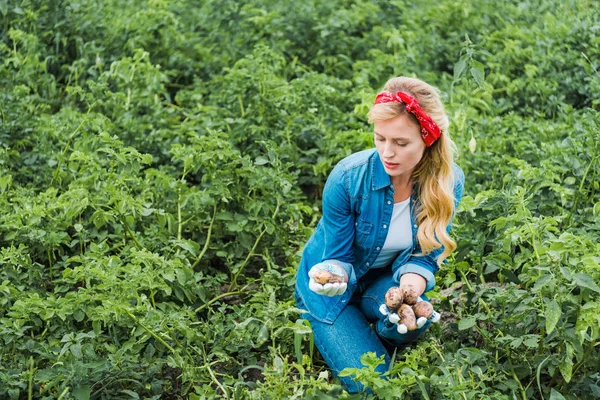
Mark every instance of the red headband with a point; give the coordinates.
(429, 129)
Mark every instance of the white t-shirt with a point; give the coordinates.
(399, 236)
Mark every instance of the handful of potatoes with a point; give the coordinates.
(403, 306)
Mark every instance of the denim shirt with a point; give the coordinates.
(358, 200)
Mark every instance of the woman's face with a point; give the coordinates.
(399, 144)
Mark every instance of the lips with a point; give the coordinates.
(390, 165)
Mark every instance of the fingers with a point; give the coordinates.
(384, 310)
(393, 318)
(315, 287)
(328, 289)
(334, 289)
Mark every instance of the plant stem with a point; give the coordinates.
(251, 253)
(212, 374)
(576, 201)
(154, 335)
(63, 393)
(50, 263)
(483, 303)
(588, 351)
(30, 391)
(179, 214)
(537, 256)
(220, 297)
(131, 235)
(514, 374)
(210, 227)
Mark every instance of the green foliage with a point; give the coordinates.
(161, 165)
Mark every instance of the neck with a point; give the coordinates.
(402, 181)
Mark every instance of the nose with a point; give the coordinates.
(388, 150)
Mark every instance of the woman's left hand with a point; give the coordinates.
(408, 318)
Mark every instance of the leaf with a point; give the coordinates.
(554, 395)
(278, 364)
(553, 313)
(566, 369)
(586, 281)
(531, 341)
(97, 327)
(298, 347)
(78, 315)
(595, 390)
(478, 76)
(260, 160)
(82, 392)
(466, 323)
(76, 350)
(566, 273)
(190, 246)
(459, 68)
(538, 373)
(263, 334)
(131, 393)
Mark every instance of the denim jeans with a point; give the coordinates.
(360, 328)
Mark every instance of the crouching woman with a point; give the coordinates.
(386, 221)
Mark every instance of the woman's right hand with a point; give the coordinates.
(328, 279)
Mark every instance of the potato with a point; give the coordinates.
(409, 294)
(324, 277)
(423, 309)
(407, 317)
(393, 298)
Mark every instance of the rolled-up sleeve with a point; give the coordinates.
(338, 222)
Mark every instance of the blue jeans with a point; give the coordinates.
(342, 343)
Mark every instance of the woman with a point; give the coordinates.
(386, 223)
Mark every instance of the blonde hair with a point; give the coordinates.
(434, 174)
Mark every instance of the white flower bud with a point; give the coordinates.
(472, 144)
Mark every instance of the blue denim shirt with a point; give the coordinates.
(358, 200)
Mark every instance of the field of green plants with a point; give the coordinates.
(161, 166)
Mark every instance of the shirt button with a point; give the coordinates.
(356, 224)
(415, 225)
(343, 301)
(389, 202)
(385, 226)
(368, 264)
(379, 248)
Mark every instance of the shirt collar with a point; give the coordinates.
(380, 178)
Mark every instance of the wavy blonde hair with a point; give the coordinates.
(434, 174)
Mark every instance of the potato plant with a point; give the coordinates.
(162, 164)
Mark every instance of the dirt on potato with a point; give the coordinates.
(407, 317)
(423, 309)
(322, 277)
(409, 293)
(393, 298)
